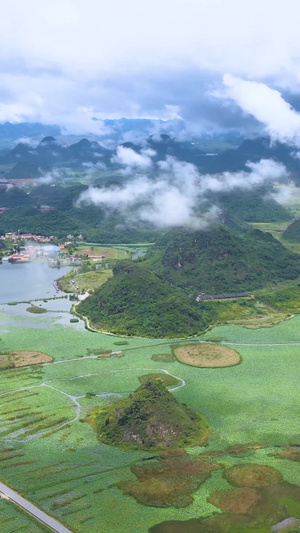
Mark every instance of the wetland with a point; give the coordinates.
(50, 454)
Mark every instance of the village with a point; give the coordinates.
(25, 247)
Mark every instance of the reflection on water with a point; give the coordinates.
(29, 281)
(58, 315)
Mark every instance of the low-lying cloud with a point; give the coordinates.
(55, 176)
(267, 105)
(130, 159)
(178, 196)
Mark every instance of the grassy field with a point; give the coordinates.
(267, 307)
(52, 456)
(85, 281)
(13, 520)
(101, 252)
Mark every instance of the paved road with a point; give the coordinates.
(33, 510)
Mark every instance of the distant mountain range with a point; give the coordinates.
(33, 160)
(119, 130)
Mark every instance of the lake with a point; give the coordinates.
(28, 281)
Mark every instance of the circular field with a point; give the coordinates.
(207, 355)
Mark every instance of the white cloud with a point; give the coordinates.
(31, 143)
(130, 159)
(67, 61)
(261, 172)
(56, 176)
(281, 121)
(15, 112)
(178, 196)
(283, 194)
(87, 37)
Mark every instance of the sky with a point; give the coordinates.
(219, 65)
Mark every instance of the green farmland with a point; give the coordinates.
(52, 456)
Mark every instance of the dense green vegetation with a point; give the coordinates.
(169, 480)
(100, 225)
(150, 418)
(92, 222)
(55, 459)
(157, 296)
(284, 297)
(256, 205)
(71, 475)
(292, 233)
(138, 302)
(36, 309)
(217, 261)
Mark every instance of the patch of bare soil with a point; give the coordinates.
(25, 358)
(207, 355)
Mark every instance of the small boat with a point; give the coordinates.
(19, 258)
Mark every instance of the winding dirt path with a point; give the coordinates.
(74, 399)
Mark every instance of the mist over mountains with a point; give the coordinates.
(160, 180)
(54, 150)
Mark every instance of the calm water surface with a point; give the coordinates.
(28, 281)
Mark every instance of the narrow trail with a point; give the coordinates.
(70, 360)
(261, 343)
(74, 399)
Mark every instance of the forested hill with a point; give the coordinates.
(157, 297)
(138, 302)
(219, 261)
(255, 205)
(100, 224)
(292, 232)
(150, 418)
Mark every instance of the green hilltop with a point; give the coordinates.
(292, 232)
(150, 418)
(157, 297)
(135, 301)
(217, 261)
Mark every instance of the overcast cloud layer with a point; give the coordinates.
(67, 61)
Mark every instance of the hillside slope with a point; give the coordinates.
(138, 302)
(150, 418)
(218, 261)
(292, 232)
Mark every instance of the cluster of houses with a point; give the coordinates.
(16, 236)
(26, 236)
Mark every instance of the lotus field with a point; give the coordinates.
(50, 454)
